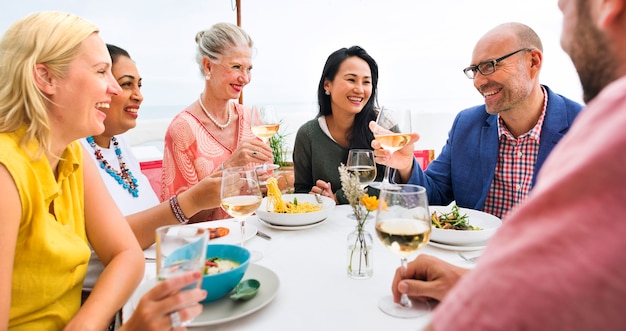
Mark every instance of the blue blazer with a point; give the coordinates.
(465, 168)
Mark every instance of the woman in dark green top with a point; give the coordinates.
(346, 96)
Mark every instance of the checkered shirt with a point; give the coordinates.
(515, 166)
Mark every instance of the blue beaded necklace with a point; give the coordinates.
(124, 177)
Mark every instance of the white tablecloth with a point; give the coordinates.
(315, 292)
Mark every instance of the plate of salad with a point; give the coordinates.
(453, 225)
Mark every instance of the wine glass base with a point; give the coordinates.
(255, 256)
(391, 308)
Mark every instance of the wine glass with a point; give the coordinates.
(393, 132)
(403, 226)
(361, 162)
(264, 123)
(240, 195)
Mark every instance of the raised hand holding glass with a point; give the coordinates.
(393, 133)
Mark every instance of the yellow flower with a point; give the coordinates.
(369, 202)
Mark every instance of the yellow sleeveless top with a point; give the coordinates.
(51, 253)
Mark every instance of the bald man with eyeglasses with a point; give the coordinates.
(494, 150)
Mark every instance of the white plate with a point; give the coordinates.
(226, 309)
(488, 223)
(290, 227)
(296, 219)
(233, 237)
(460, 248)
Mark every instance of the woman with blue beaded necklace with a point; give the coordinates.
(121, 171)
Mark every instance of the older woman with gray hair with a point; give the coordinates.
(214, 132)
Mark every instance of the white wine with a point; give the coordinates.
(265, 132)
(394, 141)
(241, 206)
(366, 174)
(403, 235)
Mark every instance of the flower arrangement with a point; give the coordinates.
(362, 205)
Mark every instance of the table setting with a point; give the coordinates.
(309, 264)
(303, 279)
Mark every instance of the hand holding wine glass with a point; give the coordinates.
(240, 194)
(361, 162)
(393, 131)
(403, 226)
(264, 123)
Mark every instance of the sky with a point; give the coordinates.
(421, 47)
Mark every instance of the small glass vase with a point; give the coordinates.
(360, 245)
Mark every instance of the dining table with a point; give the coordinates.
(314, 290)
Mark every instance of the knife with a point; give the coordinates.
(263, 235)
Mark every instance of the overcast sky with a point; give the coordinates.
(420, 46)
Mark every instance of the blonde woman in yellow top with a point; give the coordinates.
(55, 72)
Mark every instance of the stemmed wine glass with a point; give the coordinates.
(393, 132)
(240, 195)
(361, 162)
(403, 226)
(264, 123)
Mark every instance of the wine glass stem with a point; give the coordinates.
(386, 182)
(404, 299)
(243, 230)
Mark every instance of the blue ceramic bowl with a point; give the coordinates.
(221, 284)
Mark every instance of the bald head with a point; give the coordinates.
(520, 34)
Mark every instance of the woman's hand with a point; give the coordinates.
(323, 188)
(250, 152)
(426, 277)
(166, 302)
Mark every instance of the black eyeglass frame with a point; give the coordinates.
(470, 71)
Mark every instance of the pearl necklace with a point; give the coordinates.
(124, 177)
(221, 126)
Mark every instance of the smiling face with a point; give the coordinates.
(511, 84)
(230, 73)
(351, 87)
(86, 88)
(122, 114)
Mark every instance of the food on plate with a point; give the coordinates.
(452, 220)
(215, 265)
(276, 204)
(218, 232)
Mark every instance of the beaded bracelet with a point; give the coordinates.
(180, 216)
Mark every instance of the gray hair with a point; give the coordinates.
(218, 40)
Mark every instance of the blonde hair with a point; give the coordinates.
(49, 38)
(219, 39)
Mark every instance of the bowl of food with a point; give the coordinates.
(224, 268)
(453, 225)
(298, 209)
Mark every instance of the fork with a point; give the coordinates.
(318, 198)
(468, 259)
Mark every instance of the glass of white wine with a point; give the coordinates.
(393, 133)
(240, 194)
(264, 123)
(403, 226)
(361, 162)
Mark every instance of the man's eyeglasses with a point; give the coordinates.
(489, 67)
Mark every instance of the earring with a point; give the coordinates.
(326, 92)
(207, 76)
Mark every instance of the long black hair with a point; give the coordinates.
(361, 136)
